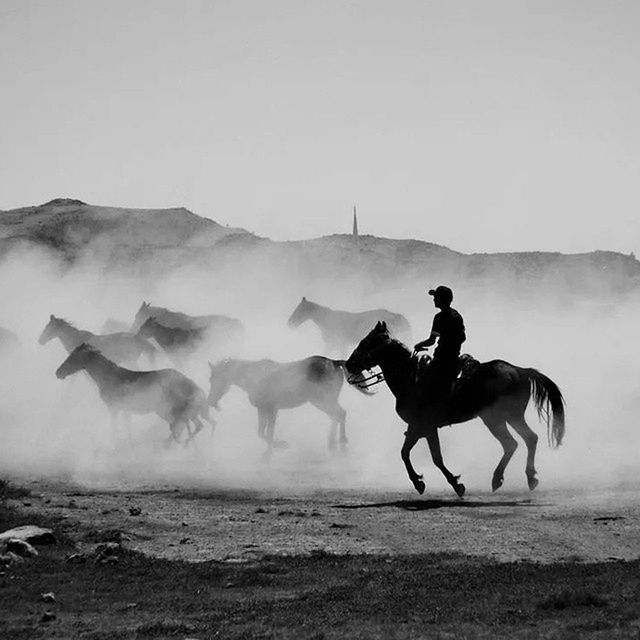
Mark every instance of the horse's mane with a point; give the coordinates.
(399, 343)
(347, 312)
(228, 362)
(91, 349)
(65, 321)
(311, 303)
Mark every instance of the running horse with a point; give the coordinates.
(341, 330)
(179, 344)
(272, 386)
(218, 324)
(166, 392)
(121, 347)
(497, 392)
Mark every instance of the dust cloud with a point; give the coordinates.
(60, 429)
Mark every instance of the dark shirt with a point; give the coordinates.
(449, 325)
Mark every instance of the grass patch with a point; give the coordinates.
(329, 596)
(9, 491)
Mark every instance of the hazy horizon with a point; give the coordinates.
(494, 126)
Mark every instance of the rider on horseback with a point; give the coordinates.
(448, 330)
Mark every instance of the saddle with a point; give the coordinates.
(467, 366)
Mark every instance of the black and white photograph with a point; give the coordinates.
(319, 319)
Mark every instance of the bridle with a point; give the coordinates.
(372, 379)
(365, 382)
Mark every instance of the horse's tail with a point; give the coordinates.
(341, 365)
(549, 404)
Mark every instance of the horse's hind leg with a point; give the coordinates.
(498, 428)
(433, 440)
(269, 430)
(410, 439)
(531, 440)
(176, 426)
(338, 417)
(192, 434)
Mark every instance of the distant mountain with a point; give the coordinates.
(156, 241)
(69, 226)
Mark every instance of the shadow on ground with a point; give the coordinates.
(426, 505)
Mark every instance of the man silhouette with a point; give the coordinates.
(448, 330)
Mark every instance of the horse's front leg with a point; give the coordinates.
(343, 429)
(271, 429)
(433, 439)
(410, 439)
(267, 420)
(262, 424)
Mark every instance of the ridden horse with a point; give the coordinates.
(166, 392)
(497, 392)
(220, 325)
(120, 347)
(178, 343)
(272, 386)
(342, 329)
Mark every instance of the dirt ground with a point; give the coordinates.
(231, 525)
(325, 564)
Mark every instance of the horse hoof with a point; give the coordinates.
(496, 483)
(420, 486)
(460, 489)
(533, 483)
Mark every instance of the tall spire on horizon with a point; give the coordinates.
(354, 233)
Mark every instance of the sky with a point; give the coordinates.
(494, 125)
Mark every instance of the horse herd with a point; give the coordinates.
(497, 391)
(171, 395)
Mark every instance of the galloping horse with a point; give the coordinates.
(165, 392)
(119, 347)
(497, 392)
(178, 343)
(342, 329)
(272, 386)
(222, 326)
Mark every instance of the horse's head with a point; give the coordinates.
(51, 330)
(367, 354)
(300, 314)
(219, 382)
(141, 315)
(76, 360)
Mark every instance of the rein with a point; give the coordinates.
(373, 379)
(366, 382)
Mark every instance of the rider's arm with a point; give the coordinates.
(433, 336)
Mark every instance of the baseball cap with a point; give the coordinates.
(443, 292)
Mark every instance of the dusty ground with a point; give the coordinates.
(327, 564)
(180, 523)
